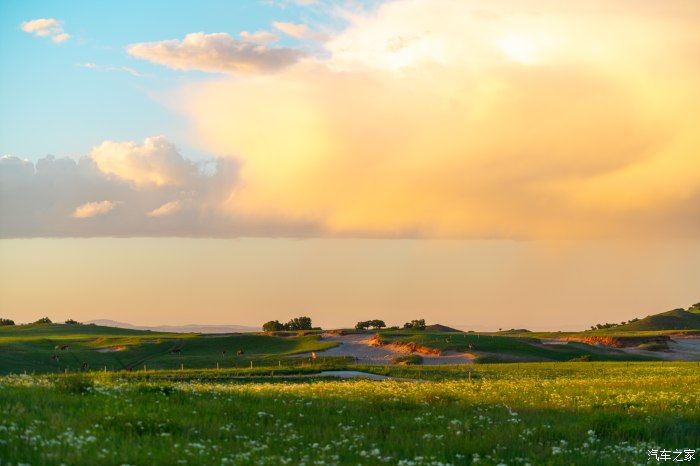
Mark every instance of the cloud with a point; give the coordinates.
(92, 209)
(437, 118)
(259, 36)
(122, 69)
(422, 118)
(298, 31)
(217, 52)
(168, 208)
(46, 27)
(136, 189)
(156, 162)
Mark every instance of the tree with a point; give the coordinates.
(299, 323)
(272, 326)
(72, 322)
(43, 320)
(376, 323)
(415, 325)
(362, 325)
(4, 322)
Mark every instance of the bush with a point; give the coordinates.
(4, 322)
(43, 320)
(72, 322)
(364, 325)
(408, 360)
(298, 323)
(273, 326)
(415, 325)
(584, 358)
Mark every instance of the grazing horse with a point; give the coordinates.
(176, 351)
(61, 347)
(54, 357)
(223, 353)
(240, 352)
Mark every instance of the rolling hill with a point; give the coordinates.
(60, 347)
(676, 319)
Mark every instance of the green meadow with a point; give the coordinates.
(537, 413)
(30, 348)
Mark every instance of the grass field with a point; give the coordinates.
(495, 348)
(28, 348)
(537, 413)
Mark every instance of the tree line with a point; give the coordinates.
(43, 320)
(297, 323)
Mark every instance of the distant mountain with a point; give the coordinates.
(677, 319)
(190, 328)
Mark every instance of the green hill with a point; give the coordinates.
(677, 319)
(58, 347)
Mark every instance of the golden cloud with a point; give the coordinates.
(437, 118)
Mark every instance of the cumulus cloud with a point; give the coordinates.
(423, 118)
(218, 52)
(298, 31)
(155, 162)
(46, 27)
(92, 209)
(441, 118)
(145, 189)
(259, 36)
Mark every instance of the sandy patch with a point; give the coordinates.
(112, 349)
(679, 349)
(360, 346)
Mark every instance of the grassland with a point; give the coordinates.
(29, 348)
(542, 413)
(497, 348)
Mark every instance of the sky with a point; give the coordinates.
(485, 164)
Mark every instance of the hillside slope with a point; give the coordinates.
(676, 319)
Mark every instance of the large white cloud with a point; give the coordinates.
(217, 52)
(125, 189)
(450, 118)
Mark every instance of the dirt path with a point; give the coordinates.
(358, 346)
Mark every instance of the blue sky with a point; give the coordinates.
(51, 105)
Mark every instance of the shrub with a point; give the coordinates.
(72, 322)
(297, 323)
(365, 324)
(415, 325)
(272, 326)
(584, 358)
(4, 322)
(43, 320)
(408, 360)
